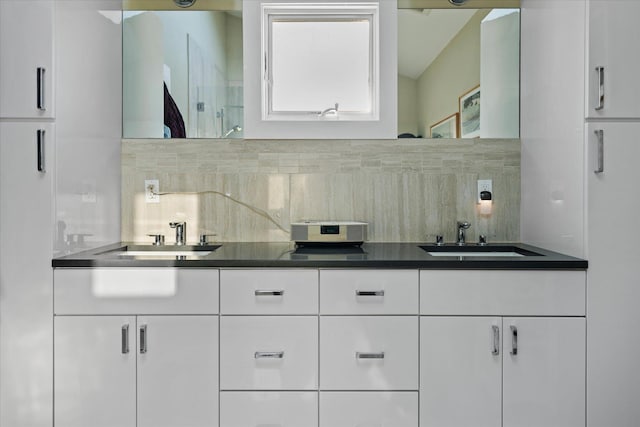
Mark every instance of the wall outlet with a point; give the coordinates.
(151, 190)
(484, 185)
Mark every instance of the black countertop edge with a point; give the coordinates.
(286, 255)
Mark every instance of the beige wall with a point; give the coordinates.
(455, 71)
(407, 105)
(409, 190)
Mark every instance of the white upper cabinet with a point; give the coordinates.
(320, 70)
(613, 34)
(26, 69)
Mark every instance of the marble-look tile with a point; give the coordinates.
(408, 189)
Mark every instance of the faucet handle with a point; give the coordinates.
(482, 240)
(439, 240)
(158, 239)
(204, 238)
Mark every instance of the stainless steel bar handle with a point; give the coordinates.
(125, 339)
(268, 355)
(143, 339)
(268, 293)
(600, 155)
(361, 355)
(40, 149)
(40, 104)
(600, 71)
(496, 340)
(370, 293)
(514, 340)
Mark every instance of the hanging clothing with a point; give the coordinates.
(172, 117)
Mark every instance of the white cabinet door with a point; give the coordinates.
(269, 409)
(269, 353)
(95, 371)
(26, 45)
(460, 371)
(26, 289)
(177, 371)
(369, 353)
(544, 372)
(612, 304)
(247, 291)
(613, 33)
(369, 409)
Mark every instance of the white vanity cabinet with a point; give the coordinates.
(269, 347)
(612, 32)
(154, 369)
(504, 369)
(26, 69)
(368, 348)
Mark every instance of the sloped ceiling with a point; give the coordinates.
(424, 33)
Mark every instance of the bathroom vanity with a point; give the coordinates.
(266, 334)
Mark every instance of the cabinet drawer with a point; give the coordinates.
(268, 353)
(356, 409)
(503, 293)
(369, 292)
(269, 409)
(369, 353)
(137, 290)
(269, 291)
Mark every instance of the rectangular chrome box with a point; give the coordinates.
(352, 232)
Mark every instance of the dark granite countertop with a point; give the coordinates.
(287, 255)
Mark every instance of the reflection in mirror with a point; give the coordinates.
(459, 73)
(182, 74)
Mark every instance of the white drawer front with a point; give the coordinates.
(268, 353)
(137, 290)
(370, 409)
(369, 353)
(503, 293)
(369, 292)
(269, 291)
(269, 409)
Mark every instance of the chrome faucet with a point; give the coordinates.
(181, 232)
(462, 225)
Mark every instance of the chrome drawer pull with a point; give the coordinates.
(496, 340)
(40, 162)
(360, 355)
(125, 339)
(143, 339)
(600, 71)
(269, 355)
(600, 148)
(370, 293)
(40, 105)
(514, 341)
(266, 293)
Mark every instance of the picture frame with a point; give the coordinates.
(469, 109)
(446, 128)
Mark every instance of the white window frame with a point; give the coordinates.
(326, 12)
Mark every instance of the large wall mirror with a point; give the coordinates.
(458, 76)
(458, 69)
(182, 69)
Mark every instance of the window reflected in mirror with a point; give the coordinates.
(459, 73)
(182, 74)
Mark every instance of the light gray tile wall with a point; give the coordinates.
(408, 190)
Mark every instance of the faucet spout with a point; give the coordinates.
(462, 225)
(181, 232)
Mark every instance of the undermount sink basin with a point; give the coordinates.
(169, 251)
(478, 251)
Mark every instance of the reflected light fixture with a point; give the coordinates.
(457, 2)
(184, 3)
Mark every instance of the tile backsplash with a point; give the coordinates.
(408, 190)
